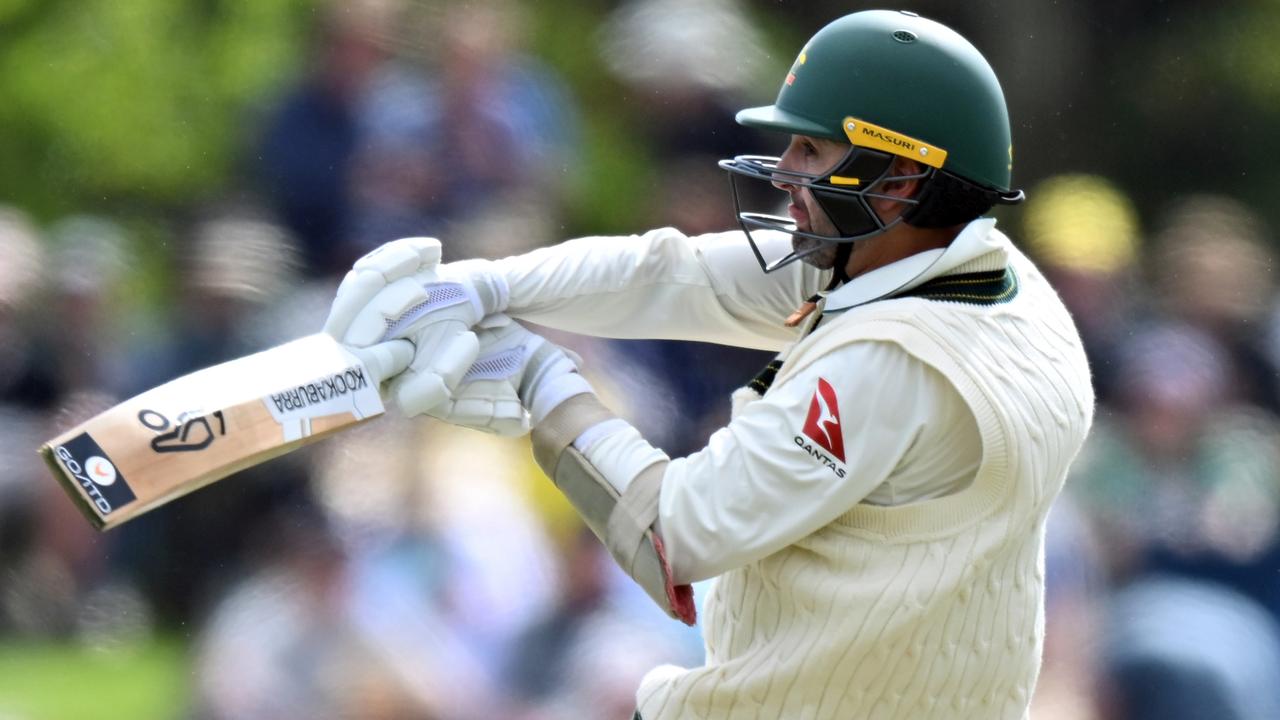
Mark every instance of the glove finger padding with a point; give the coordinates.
(435, 301)
(516, 380)
(373, 272)
(444, 352)
(486, 405)
(541, 373)
(381, 314)
(486, 398)
(403, 308)
(400, 258)
(385, 360)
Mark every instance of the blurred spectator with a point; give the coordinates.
(692, 197)
(357, 583)
(305, 152)
(27, 391)
(691, 63)
(1180, 480)
(1213, 267)
(435, 556)
(494, 540)
(1083, 232)
(58, 337)
(232, 268)
(21, 431)
(586, 655)
(1074, 582)
(710, 44)
(23, 269)
(81, 336)
(701, 376)
(541, 657)
(464, 588)
(1182, 650)
(483, 127)
(58, 582)
(282, 646)
(62, 357)
(689, 66)
(26, 380)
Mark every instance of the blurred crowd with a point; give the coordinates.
(1164, 595)
(412, 570)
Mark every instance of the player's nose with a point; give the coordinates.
(782, 179)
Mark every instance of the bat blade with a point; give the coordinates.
(204, 426)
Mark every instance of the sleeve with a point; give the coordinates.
(790, 463)
(661, 285)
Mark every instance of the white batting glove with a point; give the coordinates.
(518, 378)
(400, 290)
(385, 360)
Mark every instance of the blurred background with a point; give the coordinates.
(185, 182)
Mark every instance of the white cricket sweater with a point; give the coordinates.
(927, 610)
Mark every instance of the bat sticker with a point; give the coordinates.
(95, 473)
(181, 437)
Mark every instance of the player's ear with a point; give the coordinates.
(904, 168)
(906, 188)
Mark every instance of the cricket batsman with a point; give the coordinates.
(874, 514)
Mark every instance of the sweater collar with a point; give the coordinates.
(977, 248)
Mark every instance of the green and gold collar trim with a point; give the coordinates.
(764, 379)
(977, 288)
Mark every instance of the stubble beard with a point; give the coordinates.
(823, 255)
(824, 252)
(824, 258)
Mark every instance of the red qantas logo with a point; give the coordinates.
(823, 424)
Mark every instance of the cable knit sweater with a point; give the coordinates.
(929, 610)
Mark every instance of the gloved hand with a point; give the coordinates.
(385, 360)
(518, 378)
(400, 290)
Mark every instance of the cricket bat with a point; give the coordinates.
(204, 426)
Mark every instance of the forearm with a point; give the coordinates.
(658, 285)
(763, 482)
(704, 523)
(617, 497)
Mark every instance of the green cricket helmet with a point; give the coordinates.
(890, 84)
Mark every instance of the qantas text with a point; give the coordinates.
(822, 457)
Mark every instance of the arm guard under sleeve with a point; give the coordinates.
(624, 523)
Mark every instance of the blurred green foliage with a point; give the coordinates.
(1185, 102)
(137, 108)
(132, 101)
(615, 166)
(72, 682)
(611, 191)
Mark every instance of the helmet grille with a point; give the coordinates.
(904, 36)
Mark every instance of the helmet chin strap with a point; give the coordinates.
(844, 251)
(840, 272)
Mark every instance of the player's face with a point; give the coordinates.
(815, 156)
